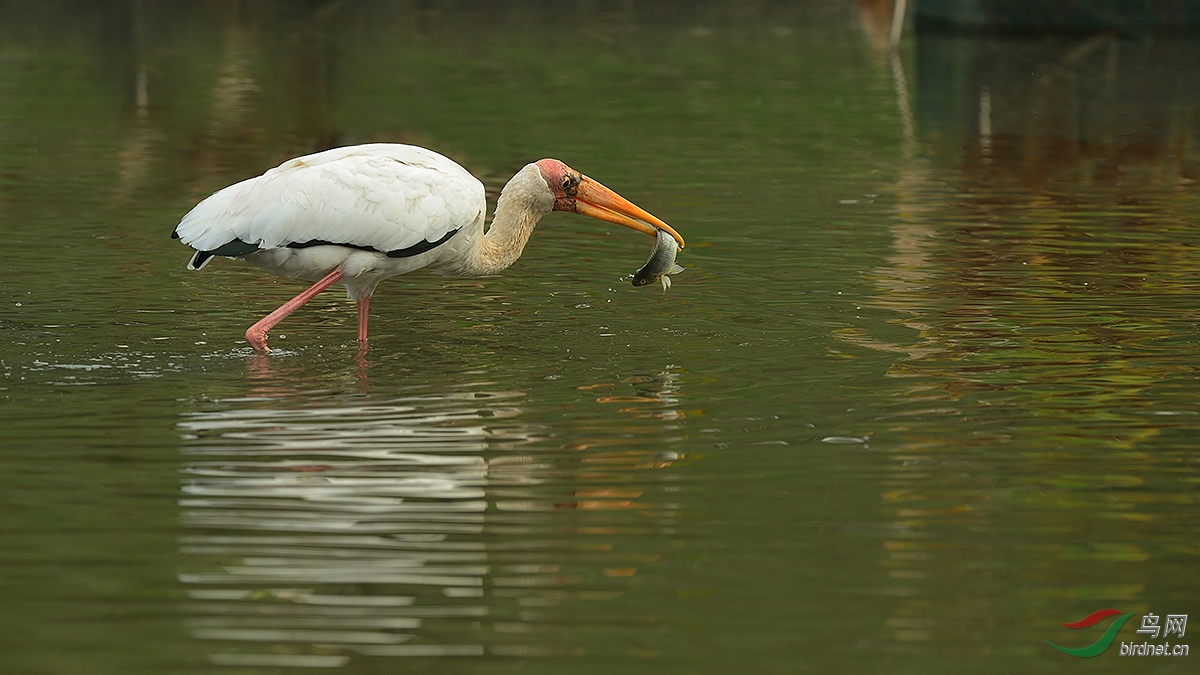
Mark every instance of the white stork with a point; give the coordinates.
(360, 214)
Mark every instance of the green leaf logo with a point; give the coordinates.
(1097, 647)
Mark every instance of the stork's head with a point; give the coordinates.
(577, 193)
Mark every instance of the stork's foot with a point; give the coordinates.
(258, 339)
(257, 334)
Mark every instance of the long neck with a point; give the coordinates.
(523, 202)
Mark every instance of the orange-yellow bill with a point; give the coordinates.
(595, 200)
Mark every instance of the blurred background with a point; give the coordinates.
(926, 390)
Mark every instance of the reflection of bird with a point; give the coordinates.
(360, 214)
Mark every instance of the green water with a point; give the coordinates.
(927, 389)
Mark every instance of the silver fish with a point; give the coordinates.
(660, 264)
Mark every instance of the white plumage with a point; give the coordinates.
(359, 214)
(384, 196)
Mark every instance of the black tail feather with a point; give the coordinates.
(200, 259)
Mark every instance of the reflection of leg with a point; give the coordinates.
(256, 335)
(360, 359)
(364, 306)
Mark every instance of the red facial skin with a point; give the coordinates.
(554, 171)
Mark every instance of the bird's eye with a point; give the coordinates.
(570, 183)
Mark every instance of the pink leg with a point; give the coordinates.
(256, 335)
(364, 306)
